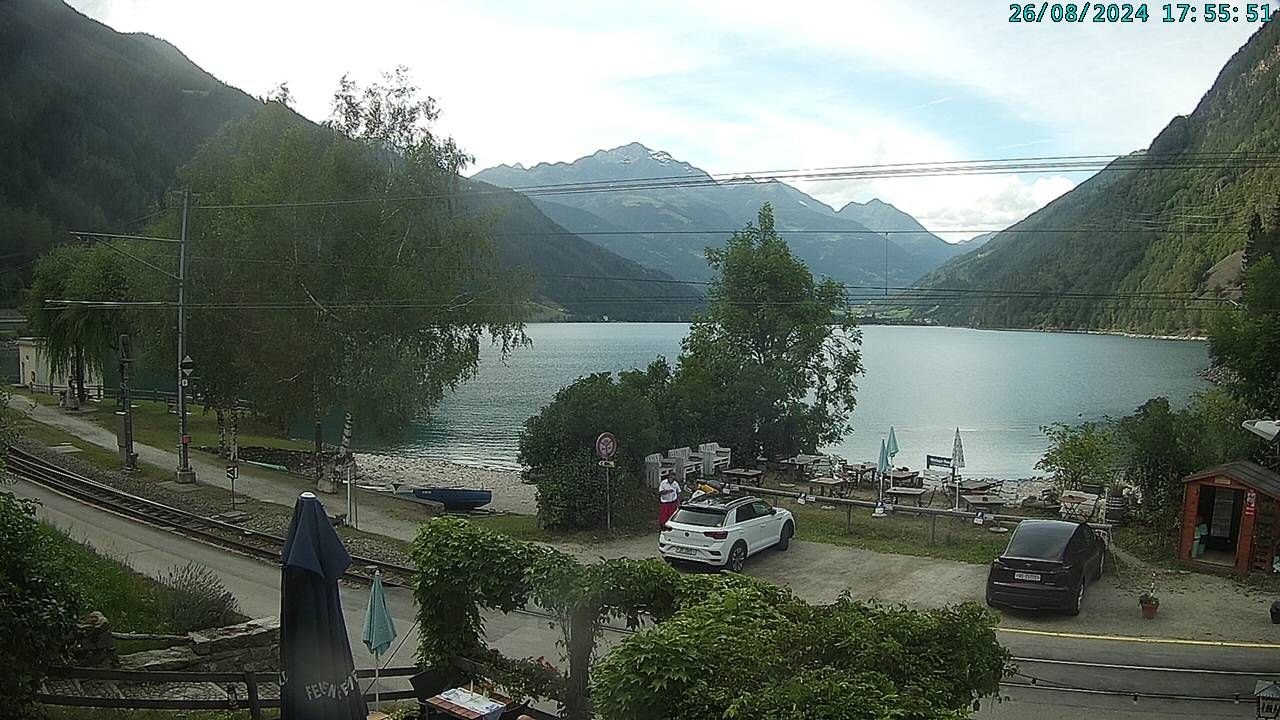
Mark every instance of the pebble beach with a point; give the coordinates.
(509, 493)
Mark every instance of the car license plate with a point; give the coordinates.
(1032, 577)
(686, 551)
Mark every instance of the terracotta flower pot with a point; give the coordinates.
(1149, 610)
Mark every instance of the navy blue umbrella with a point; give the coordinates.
(317, 676)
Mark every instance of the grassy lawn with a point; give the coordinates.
(88, 451)
(900, 533)
(154, 425)
(131, 602)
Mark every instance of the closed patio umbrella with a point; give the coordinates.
(379, 628)
(957, 462)
(891, 446)
(317, 675)
(882, 466)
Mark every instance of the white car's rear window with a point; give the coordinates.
(693, 516)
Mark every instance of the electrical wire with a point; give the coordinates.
(1241, 160)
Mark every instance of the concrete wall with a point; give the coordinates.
(33, 367)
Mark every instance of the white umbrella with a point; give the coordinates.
(957, 462)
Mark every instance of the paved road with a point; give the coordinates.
(256, 585)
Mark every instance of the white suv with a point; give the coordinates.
(722, 530)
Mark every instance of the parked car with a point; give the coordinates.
(1047, 565)
(722, 531)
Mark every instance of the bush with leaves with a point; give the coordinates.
(38, 609)
(557, 446)
(197, 599)
(846, 660)
(1081, 454)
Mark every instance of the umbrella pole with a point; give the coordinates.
(377, 700)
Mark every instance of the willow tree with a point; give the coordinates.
(331, 267)
(79, 339)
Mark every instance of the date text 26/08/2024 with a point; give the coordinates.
(1102, 12)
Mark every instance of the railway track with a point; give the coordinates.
(245, 541)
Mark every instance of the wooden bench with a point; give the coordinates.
(744, 476)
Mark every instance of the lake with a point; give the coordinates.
(998, 387)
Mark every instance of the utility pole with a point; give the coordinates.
(184, 474)
(129, 457)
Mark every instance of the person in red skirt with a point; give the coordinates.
(668, 500)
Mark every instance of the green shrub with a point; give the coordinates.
(38, 609)
(196, 599)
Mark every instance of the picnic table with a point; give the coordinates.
(468, 705)
(984, 503)
(898, 493)
(859, 471)
(831, 487)
(902, 478)
(744, 476)
(800, 464)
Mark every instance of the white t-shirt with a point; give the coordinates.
(668, 491)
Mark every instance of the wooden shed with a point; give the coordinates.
(1230, 518)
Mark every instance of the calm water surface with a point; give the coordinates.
(998, 387)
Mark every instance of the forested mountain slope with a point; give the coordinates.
(95, 123)
(1141, 229)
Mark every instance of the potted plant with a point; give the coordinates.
(1148, 600)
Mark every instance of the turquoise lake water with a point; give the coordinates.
(998, 387)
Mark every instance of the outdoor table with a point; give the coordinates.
(800, 464)
(860, 471)
(834, 487)
(744, 476)
(986, 504)
(901, 478)
(906, 492)
(468, 705)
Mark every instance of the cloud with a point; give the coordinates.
(931, 103)
(730, 85)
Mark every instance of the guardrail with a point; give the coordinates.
(850, 503)
(231, 681)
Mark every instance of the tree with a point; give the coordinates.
(1085, 454)
(770, 366)
(38, 609)
(374, 307)
(557, 448)
(1247, 343)
(78, 340)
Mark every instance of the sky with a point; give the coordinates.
(734, 86)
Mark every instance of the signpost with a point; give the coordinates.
(185, 367)
(606, 446)
(233, 472)
(1268, 694)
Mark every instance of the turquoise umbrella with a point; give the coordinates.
(892, 446)
(882, 466)
(379, 627)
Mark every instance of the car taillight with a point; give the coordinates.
(717, 534)
(666, 528)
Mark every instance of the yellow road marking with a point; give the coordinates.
(1138, 639)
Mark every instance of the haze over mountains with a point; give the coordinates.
(665, 223)
(95, 124)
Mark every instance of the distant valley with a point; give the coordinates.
(667, 211)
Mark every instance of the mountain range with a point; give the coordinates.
(95, 124)
(1167, 221)
(662, 212)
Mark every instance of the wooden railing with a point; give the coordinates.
(230, 681)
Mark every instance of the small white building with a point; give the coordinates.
(34, 372)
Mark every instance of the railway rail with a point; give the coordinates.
(245, 541)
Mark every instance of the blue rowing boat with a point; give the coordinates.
(453, 499)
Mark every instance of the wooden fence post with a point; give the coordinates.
(933, 527)
(251, 686)
(848, 518)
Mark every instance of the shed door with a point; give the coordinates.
(1223, 505)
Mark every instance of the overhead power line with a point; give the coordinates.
(1078, 163)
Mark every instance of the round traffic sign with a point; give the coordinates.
(606, 446)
